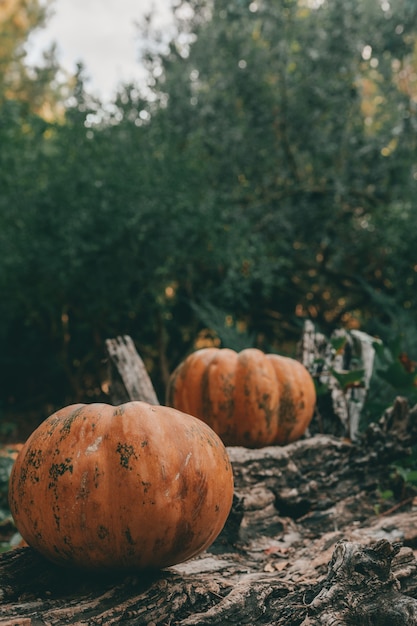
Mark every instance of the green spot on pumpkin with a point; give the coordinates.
(102, 532)
(265, 406)
(126, 451)
(146, 486)
(59, 469)
(287, 413)
(129, 537)
(68, 421)
(34, 458)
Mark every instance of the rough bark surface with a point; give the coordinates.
(129, 379)
(345, 352)
(313, 538)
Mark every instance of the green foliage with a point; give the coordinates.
(290, 85)
(227, 332)
(346, 380)
(408, 471)
(394, 374)
(6, 464)
(403, 476)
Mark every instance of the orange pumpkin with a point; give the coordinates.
(129, 487)
(248, 398)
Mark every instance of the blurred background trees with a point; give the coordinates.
(265, 174)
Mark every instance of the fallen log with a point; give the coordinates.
(361, 588)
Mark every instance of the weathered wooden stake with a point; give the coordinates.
(129, 379)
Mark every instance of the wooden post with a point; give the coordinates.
(129, 379)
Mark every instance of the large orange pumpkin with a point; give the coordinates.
(248, 398)
(129, 487)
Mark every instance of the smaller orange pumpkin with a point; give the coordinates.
(130, 487)
(248, 398)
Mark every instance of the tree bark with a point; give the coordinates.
(129, 379)
(345, 352)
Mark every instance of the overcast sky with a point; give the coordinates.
(102, 34)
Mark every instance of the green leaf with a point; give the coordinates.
(397, 377)
(408, 474)
(380, 350)
(338, 343)
(321, 389)
(348, 379)
(386, 494)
